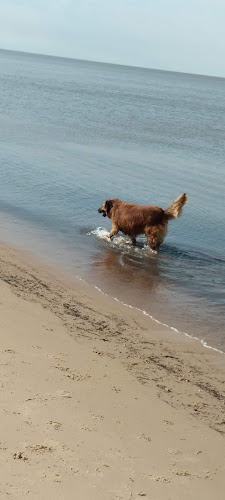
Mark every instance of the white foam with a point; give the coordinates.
(117, 241)
(122, 242)
(100, 232)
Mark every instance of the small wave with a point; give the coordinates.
(188, 253)
(117, 241)
(100, 232)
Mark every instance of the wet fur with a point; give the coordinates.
(134, 220)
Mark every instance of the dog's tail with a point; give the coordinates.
(175, 209)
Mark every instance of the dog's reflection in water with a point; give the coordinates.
(121, 272)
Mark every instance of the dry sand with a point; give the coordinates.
(97, 401)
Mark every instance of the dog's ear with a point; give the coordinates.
(108, 205)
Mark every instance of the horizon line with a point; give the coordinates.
(111, 64)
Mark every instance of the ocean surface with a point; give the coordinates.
(75, 133)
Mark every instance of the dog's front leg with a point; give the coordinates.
(113, 231)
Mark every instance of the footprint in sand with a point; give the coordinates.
(78, 377)
(182, 473)
(56, 425)
(39, 448)
(174, 451)
(18, 455)
(167, 422)
(145, 438)
(88, 428)
(66, 394)
(97, 417)
(159, 479)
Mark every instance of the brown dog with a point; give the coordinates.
(136, 219)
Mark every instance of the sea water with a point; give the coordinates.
(75, 133)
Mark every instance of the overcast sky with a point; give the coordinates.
(179, 35)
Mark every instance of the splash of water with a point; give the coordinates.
(122, 242)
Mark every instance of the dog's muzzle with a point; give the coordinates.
(101, 211)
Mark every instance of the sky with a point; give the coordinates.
(177, 35)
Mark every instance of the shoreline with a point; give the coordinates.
(152, 318)
(165, 392)
(64, 273)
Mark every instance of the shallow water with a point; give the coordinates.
(76, 133)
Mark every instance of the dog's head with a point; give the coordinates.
(105, 208)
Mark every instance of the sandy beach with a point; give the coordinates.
(98, 401)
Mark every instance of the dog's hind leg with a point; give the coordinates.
(152, 243)
(133, 241)
(154, 238)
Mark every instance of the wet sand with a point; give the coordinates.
(99, 402)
